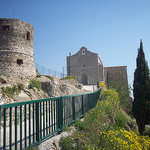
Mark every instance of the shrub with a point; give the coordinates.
(50, 77)
(9, 91)
(38, 75)
(123, 140)
(20, 86)
(69, 77)
(80, 124)
(35, 83)
(66, 143)
(110, 102)
(120, 120)
(102, 84)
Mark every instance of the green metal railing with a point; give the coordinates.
(27, 123)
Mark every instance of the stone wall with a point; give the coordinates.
(16, 48)
(116, 75)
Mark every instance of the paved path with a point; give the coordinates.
(52, 143)
(90, 88)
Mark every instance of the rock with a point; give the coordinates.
(51, 86)
(21, 97)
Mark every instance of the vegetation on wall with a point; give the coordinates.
(141, 91)
(35, 83)
(38, 75)
(106, 127)
(124, 91)
(10, 91)
(69, 77)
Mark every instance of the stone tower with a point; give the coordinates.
(16, 49)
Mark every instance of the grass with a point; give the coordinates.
(35, 83)
(38, 75)
(10, 91)
(32, 148)
(3, 75)
(50, 77)
(69, 78)
(67, 129)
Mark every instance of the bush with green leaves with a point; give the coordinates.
(10, 91)
(69, 78)
(38, 75)
(120, 120)
(20, 86)
(66, 143)
(80, 124)
(35, 83)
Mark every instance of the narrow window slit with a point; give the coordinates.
(19, 61)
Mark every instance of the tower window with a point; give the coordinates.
(83, 52)
(6, 28)
(19, 61)
(28, 35)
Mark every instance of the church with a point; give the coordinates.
(88, 68)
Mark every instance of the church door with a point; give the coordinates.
(84, 80)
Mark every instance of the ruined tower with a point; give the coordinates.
(16, 49)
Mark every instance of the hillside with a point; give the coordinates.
(106, 127)
(45, 86)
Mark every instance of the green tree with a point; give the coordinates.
(141, 91)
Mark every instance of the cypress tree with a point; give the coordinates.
(141, 90)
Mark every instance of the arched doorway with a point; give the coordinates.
(84, 80)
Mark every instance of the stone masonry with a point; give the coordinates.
(86, 66)
(16, 49)
(117, 75)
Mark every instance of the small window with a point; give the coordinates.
(28, 35)
(4, 21)
(83, 52)
(6, 28)
(19, 61)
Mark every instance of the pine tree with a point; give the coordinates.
(141, 90)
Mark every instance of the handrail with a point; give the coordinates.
(41, 100)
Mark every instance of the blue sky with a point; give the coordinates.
(111, 28)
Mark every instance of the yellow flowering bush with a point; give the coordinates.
(102, 84)
(123, 140)
(105, 128)
(109, 101)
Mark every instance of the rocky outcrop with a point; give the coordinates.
(51, 86)
(58, 87)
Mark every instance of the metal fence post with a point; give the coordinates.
(37, 122)
(60, 114)
(73, 108)
(61, 104)
(0, 128)
(89, 101)
(4, 131)
(82, 106)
